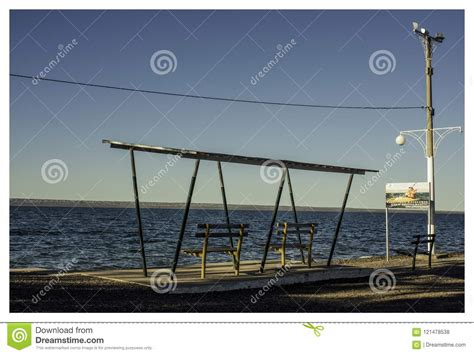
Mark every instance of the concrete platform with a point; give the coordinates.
(221, 277)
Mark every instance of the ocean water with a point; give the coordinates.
(86, 238)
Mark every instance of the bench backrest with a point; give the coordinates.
(222, 230)
(295, 228)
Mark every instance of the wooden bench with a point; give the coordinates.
(423, 239)
(231, 231)
(285, 229)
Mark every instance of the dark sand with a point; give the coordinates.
(440, 289)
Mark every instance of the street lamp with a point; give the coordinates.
(421, 136)
(400, 140)
(428, 44)
(429, 143)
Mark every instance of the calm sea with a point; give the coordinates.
(51, 237)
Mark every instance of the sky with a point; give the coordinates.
(329, 58)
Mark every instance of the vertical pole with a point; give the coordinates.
(137, 208)
(274, 216)
(185, 216)
(387, 251)
(339, 222)
(226, 210)
(295, 216)
(429, 133)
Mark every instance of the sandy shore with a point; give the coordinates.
(440, 289)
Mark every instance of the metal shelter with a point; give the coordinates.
(286, 165)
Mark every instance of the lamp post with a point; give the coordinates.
(428, 46)
(429, 144)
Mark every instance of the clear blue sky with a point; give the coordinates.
(217, 54)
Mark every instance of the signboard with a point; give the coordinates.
(410, 195)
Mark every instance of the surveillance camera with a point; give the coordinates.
(439, 37)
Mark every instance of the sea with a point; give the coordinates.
(59, 238)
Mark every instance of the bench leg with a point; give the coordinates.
(235, 264)
(203, 260)
(310, 248)
(414, 258)
(237, 257)
(237, 267)
(283, 246)
(203, 266)
(283, 255)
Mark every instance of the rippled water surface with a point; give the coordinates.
(50, 237)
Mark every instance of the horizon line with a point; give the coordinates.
(43, 202)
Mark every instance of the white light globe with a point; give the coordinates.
(400, 140)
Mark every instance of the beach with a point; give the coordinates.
(439, 289)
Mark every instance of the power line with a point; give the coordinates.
(101, 86)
